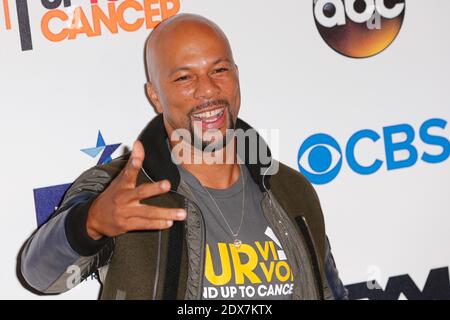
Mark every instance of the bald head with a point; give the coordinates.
(180, 31)
(192, 75)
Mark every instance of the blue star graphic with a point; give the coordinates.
(108, 150)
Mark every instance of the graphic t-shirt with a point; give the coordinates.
(258, 269)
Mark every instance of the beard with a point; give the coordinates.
(217, 140)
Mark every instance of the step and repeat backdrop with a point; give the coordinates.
(358, 91)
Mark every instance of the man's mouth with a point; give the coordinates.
(212, 118)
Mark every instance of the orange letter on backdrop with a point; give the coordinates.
(166, 12)
(49, 15)
(109, 21)
(150, 13)
(130, 27)
(6, 14)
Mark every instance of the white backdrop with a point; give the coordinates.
(58, 96)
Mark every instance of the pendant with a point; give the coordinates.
(237, 243)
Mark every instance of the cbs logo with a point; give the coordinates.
(359, 28)
(320, 156)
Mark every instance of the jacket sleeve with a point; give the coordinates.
(60, 254)
(335, 285)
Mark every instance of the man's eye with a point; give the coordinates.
(220, 70)
(182, 78)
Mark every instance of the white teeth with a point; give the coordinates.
(209, 114)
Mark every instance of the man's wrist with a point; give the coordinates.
(77, 232)
(91, 227)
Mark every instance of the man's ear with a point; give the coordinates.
(153, 97)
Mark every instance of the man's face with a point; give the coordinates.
(196, 83)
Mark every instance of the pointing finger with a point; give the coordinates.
(134, 164)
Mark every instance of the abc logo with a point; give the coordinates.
(320, 156)
(359, 28)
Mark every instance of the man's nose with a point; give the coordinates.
(206, 88)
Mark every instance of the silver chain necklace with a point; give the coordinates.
(237, 242)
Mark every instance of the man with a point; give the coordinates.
(163, 223)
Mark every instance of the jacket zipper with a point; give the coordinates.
(313, 254)
(202, 253)
(158, 259)
(158, 256)
(158, 262)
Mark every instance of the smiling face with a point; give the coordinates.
(193, 78)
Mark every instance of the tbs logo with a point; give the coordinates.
(359, 28)
(320, 156)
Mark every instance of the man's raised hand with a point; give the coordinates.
(118, 210)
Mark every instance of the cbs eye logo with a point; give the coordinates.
(359, 28)
(320, 158)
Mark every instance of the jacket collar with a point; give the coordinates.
(158, 161)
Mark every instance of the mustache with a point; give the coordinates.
(217, 103)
